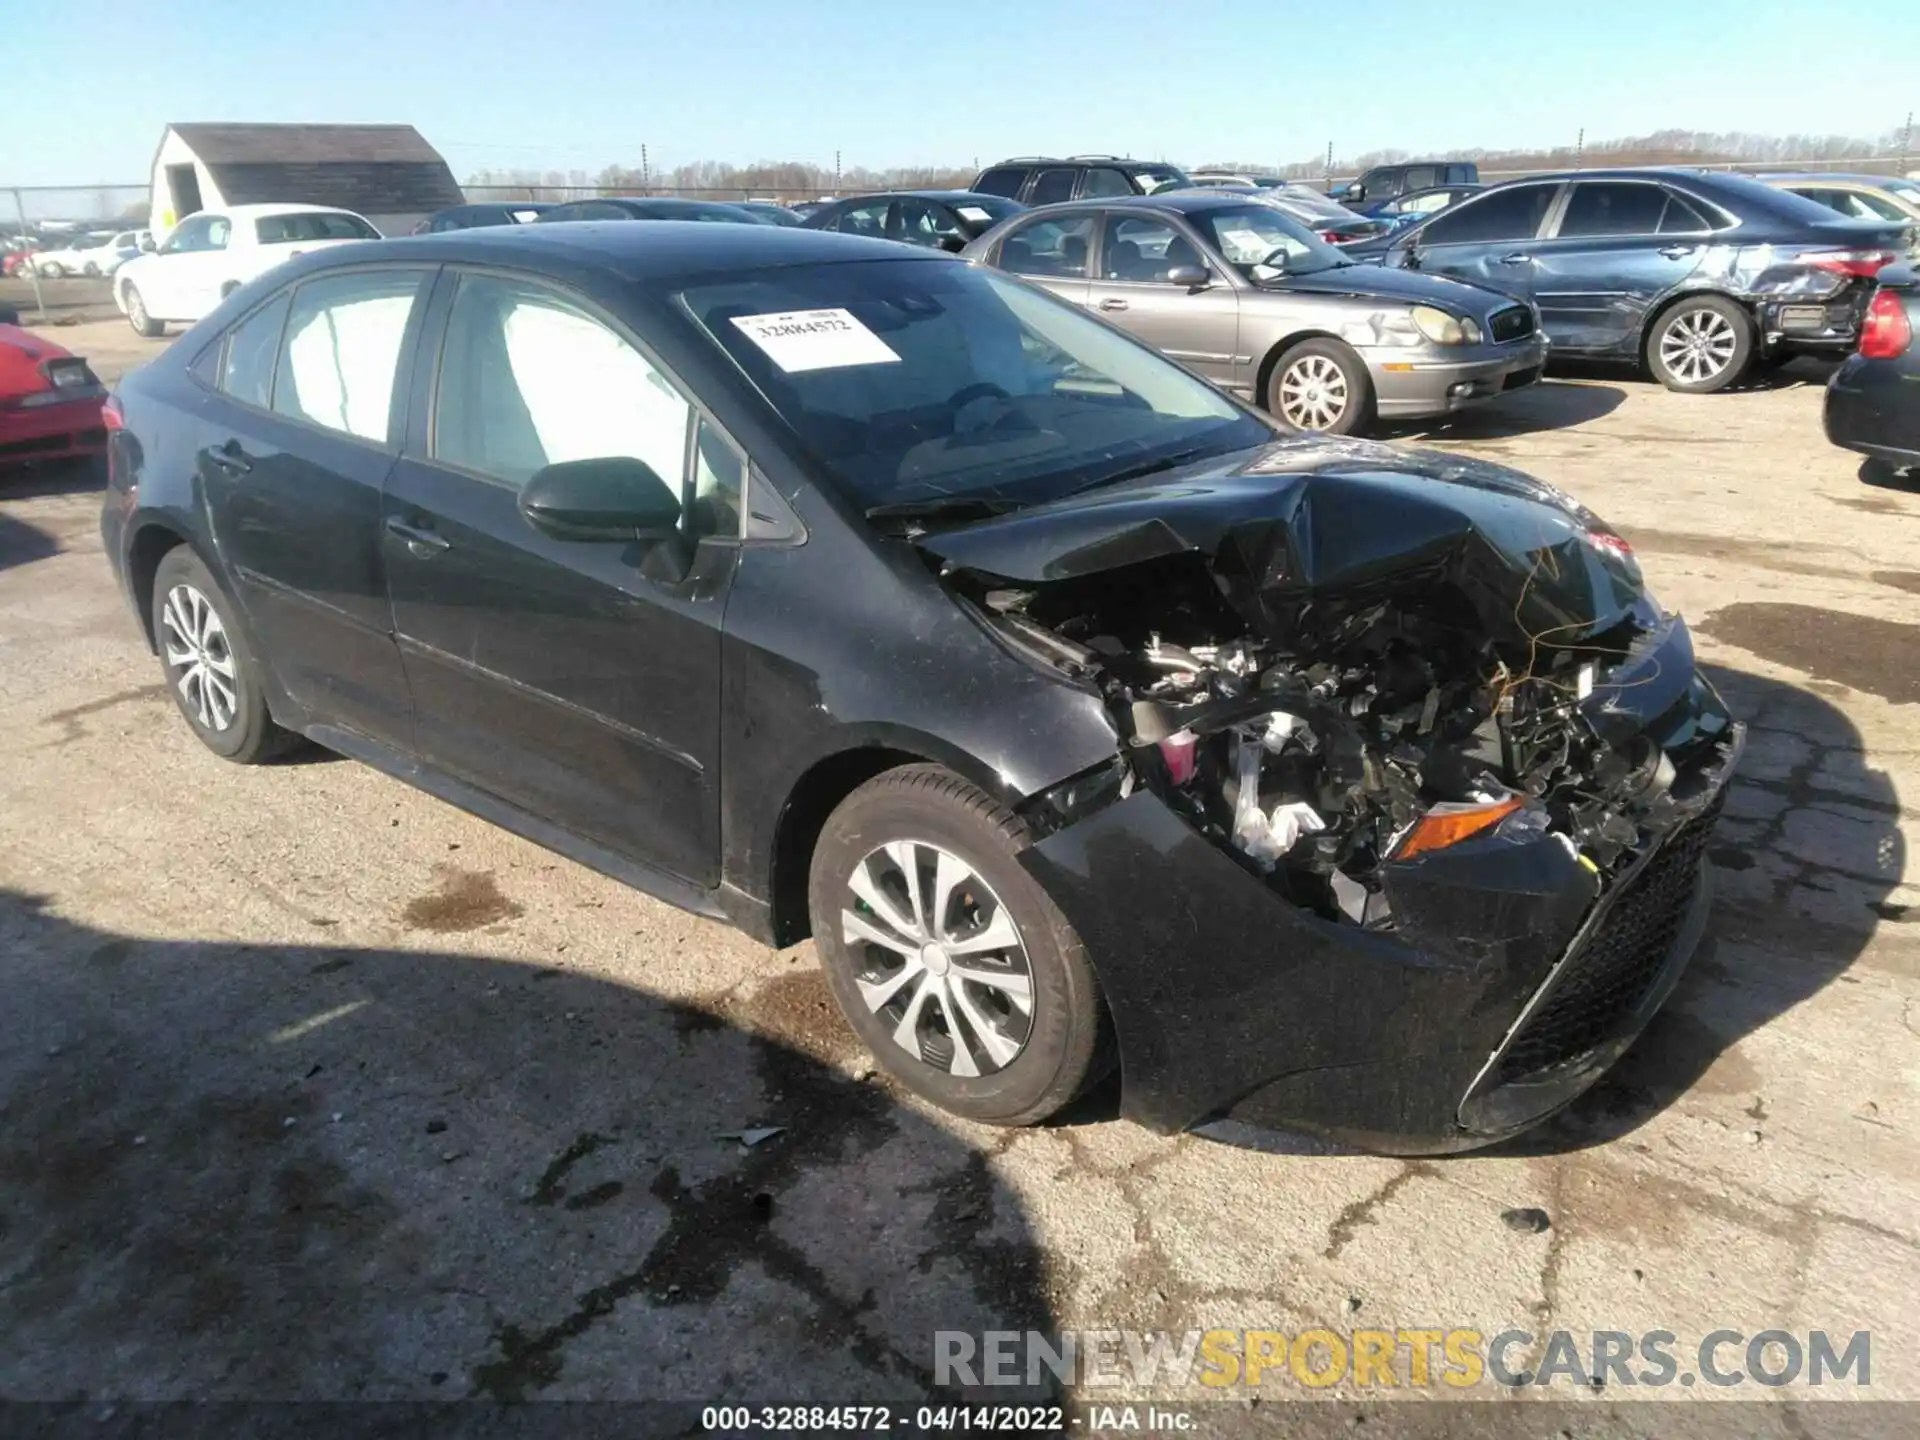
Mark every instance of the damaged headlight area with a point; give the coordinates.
(1380, 729)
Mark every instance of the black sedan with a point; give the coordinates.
(939, 219)
(826, 586)
(490, 212)
(1873, 399)
(651, 207)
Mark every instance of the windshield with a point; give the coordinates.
(1151, 180)
(1248, 236)
(919, 382)
(1307, 204)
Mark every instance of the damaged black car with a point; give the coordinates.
(826, 587)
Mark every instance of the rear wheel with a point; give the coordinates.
(1701, 345)
(1321, 387)
(212, 675)
(93, 270)
(143, 323)
(944, 954)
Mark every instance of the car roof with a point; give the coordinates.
(1811, 177)
(255, 212)
(1187, 202)
(650, 202)
(657, 251)
(1121, 160)
(958, 197)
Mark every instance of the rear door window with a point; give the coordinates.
(1055, 247)
(341, 350)
(246, 365)
(1600, 208)
(1053, 186)
(1500, 215)
(1104, 180)
(1004, 180)
(1683, 217)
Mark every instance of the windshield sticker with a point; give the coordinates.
(974, 214)
(1247, 244)
(801, 340)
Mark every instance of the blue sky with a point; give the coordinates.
(891, 82)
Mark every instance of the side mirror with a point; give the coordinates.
(1194, 277)
(9, 315)
(617, 498)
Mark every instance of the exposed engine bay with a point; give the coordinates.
(1324, 718)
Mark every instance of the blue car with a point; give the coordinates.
(1695, 273)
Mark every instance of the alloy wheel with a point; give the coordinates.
(136, 311)
(1313, 393)
(939, 957)
(200, 659)
(1697, 346)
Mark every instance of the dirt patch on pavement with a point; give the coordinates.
(466, 900)
(1857, 650)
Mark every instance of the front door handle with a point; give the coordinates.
(1517, 258)
(229, 458)
(1113, 302)
(421, 540)
(1677, 252)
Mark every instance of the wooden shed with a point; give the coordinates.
(388, 173)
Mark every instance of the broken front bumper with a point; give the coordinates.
(1410, 389)
(1511, 983)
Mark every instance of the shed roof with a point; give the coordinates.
(227, 144)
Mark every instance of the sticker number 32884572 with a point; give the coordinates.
(798, 340)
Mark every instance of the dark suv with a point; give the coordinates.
(1389, 182)
(1698, 274)
(1038, 180)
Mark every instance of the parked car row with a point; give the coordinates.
(90, 255)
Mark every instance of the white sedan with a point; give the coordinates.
(208, 256)
(103, 255)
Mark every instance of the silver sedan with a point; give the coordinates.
(1246, 297)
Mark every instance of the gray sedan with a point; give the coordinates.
(1245, 296)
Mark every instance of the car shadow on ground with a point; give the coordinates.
(1548, 405)
(22, 544)
(55, 477)
(261, 1172)
(1803, 862)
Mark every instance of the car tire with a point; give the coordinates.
(143, 324)
(213, 676)
(1321, 387)
(92, 271)
(1701, 345)
(1008, 1065)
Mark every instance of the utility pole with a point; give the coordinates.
(836, 172)
(1329, 184)
(646, 172)
(33, 271)
(1580, 149)
(1906, 142)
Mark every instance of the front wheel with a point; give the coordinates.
(143, 323)
(92, 270)
(1321, 387)
(946, 957)
(212, 675)
(1701, 345)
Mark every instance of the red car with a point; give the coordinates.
(50, 401)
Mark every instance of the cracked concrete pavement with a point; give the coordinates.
(311, 1086)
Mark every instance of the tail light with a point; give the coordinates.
(1886, 332)
(111, 414)
(1857, 264)
(1332, 237)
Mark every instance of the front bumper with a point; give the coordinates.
(1409, 389)
(1873, 407)
(52, 432)
(1512, 981)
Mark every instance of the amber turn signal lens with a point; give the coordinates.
(1449, 825)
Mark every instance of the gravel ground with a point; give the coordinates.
(313, 1087)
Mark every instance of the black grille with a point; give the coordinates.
(1513, 323)
(1620, 960)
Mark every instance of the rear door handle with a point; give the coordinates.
(1677, 252)
(421, 540)
(1113, 302)
(229, 458)
(1516, 259)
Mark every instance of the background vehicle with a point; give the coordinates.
(110, 253)
(1874, 198)
(1416, 205)
(492, 212)
(1387, 182)
(1332, 222)
(49, 399)
(206, 257)
(771, 211)
(1695, 273)
(1206, 179)
(649, 207)
(1241, 293)
(478, 510)
(61, 260)
(1038, 180)
(943, 219)
(1870, 404)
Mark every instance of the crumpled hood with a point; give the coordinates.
(1410, 286)
(1318, 519)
